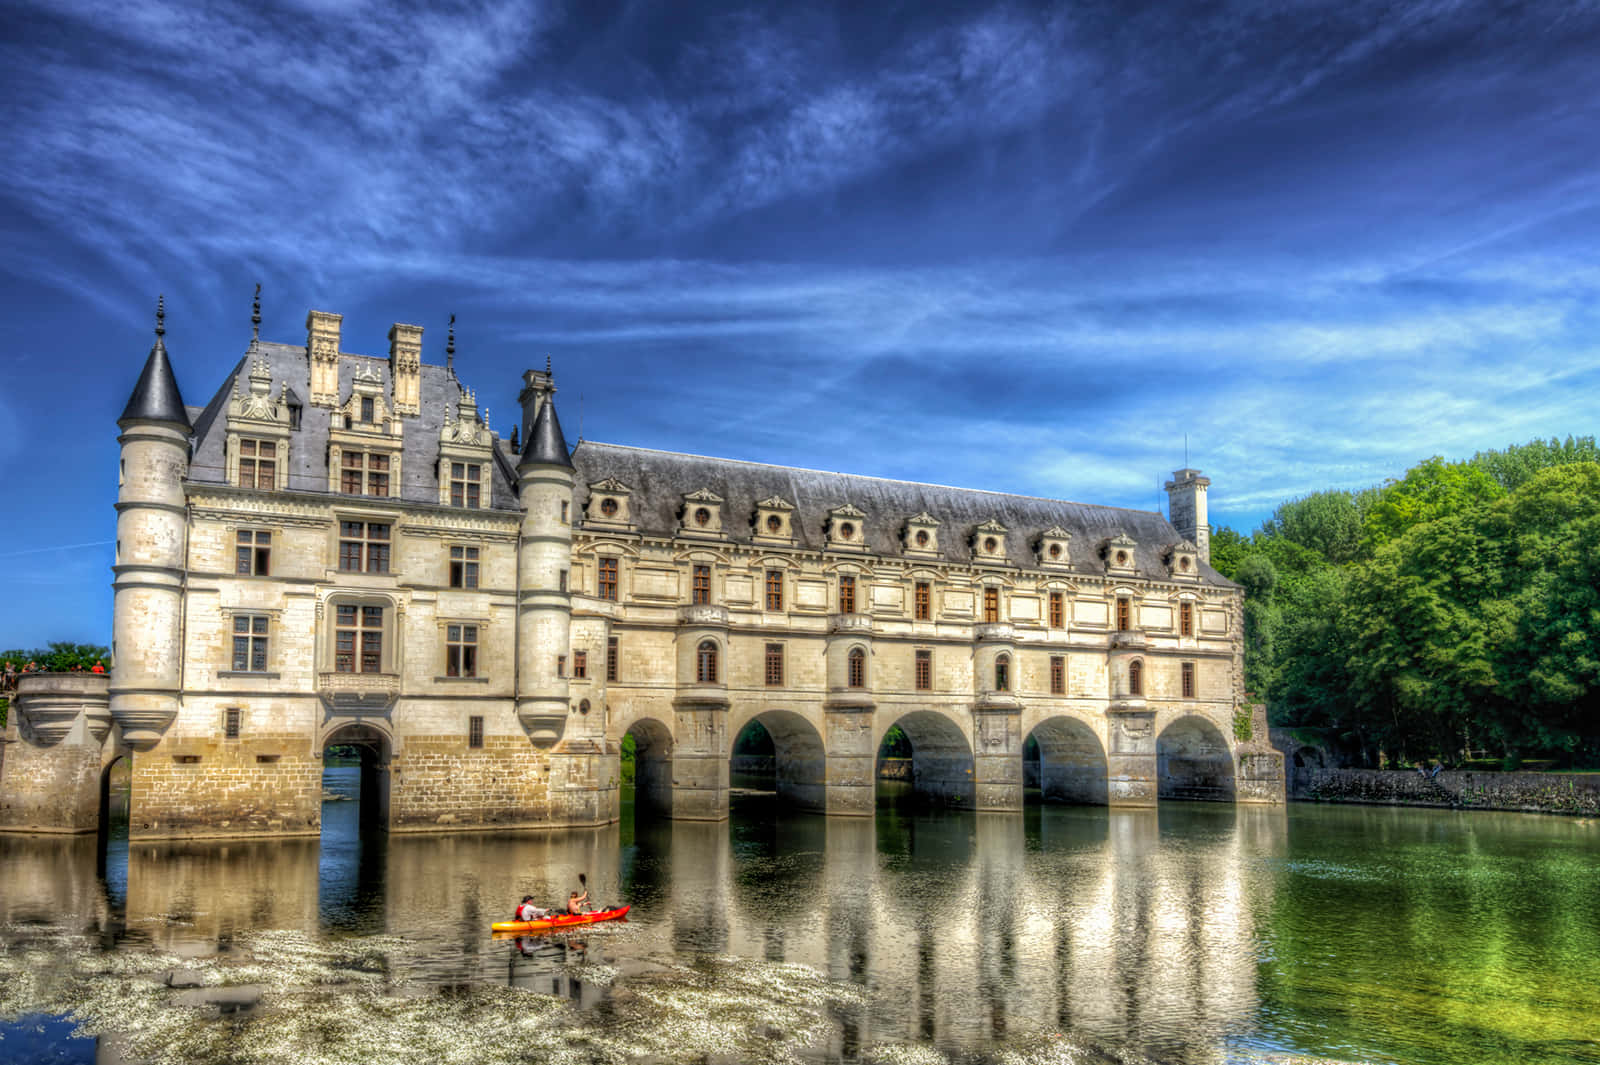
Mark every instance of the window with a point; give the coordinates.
(1058, 675)
(702, 585)
(774, 589)
(249, 643)
(1136, 677)
(565, 508)
(608, 507)
(252, 554)
(857, 671)
(1124, 614)
(364, 473)
(358, 639)
(847, 595)
(991, 604)
(561, 581)
(1188, 680)
(1058, 610)
(258, 464)
(580, 665)
(461, 650)
(1002, 673)
(705, 663)
(924, 671)
(1185, 619)
(464, 484)
(367, 409)
(607, 588)
(774, 524)
(475, 731)
(363, 547)
(923, 598)
(561, 665)
(230, 723)
(464, 567)
(774, 665)
(611, 658)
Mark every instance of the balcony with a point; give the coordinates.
(994, 632)
(703, 614)
(851, 623)
(1128, 640)
(358, 694)
(996, 702)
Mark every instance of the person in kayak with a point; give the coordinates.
(577, 903)
(527, 911)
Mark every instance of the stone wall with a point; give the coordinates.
(1555, 793)
(193, 787)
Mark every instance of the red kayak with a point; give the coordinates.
(560, 921)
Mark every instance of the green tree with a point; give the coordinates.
(1517, 464)
(1328, 523)
(1431, 489)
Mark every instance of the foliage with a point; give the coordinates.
(1243, 729)
(59, 657)
(629, 758)
(896, 744)
(1452, 609)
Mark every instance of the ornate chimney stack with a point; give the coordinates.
(322, 345)
(405, 367)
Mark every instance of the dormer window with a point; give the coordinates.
(702, 514)
(1052, 548)
(367, 409)
(922, 535)
(1183, 561)
(1119, 554)
(845, 528)
(989, 542)
(609, 503)
(774, 520)
(774, 524)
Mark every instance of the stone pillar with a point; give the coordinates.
(700, 758)
(997, 753)
(1131, 754)
(51, 782)
(850, 787)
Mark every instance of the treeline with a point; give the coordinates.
(1453, 611)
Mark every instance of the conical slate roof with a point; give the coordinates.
(156, 397)
(546, 446)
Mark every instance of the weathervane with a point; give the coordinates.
(450, 349)
(161, 316)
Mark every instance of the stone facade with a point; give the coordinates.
(374, 566)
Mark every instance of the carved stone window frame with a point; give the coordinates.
(1053, 550)
(1121, 555)
(701, 515)
(989, 543)
(846, 528)
(1183, 562)
(613, 496)
(922, 526)
(761, 526)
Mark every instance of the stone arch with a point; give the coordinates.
(1072, 762)
(1194, 761)
(652, 766)
(942, 766)
(799, 755)
(375, 745)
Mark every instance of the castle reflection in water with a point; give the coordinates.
(1117, 924)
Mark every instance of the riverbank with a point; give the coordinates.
(1548, 793)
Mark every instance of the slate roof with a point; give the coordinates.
(156, 397)
(308, 446)
(546, 446)
(659, 480)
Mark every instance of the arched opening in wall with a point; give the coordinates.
(1194, 761)
(355, 822)
(754, 764)
(798, 760)
(1070, 764)
(925, 759)
(111, 856)
(647, 768)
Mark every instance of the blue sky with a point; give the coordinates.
(1026, 248)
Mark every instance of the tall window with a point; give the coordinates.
(702, 585)
(230, 723)
(252, 553)
(1124, 614)
(1185, 619)
(847, 595)
(857, 663)
(358, 639)
(463, 567)
(1058, 675)
(561, 665)
(1058, 610)
(774, 589)
(991, 603)
(464, 484)
(1002, 673)
(258, 464)
(606, 587)
(249, 643)
(1188, 680)
(565, 508)
(924, 671)
(461, 650)
(774, 665)
(705, 663)
(364, 473)
(611, 658)
(1136, 677)
(580, 665)
(475, 731)
(367, 409)
(923, 598)
(363, 547)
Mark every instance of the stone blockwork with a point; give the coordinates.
(438, 784)
(1551, 793)
(193, 787)
(55, 752)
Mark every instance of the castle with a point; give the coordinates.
(339, 550)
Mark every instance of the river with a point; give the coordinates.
(1192, 933)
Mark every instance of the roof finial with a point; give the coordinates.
(450, 348)
(161, 316)
(255, 319)
(547, 366)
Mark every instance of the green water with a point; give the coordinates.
(1193, 933)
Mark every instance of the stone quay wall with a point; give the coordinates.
(1551, 793)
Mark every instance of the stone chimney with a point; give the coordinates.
(1186, 503)
(405, 367)
(322, 345)
(537, 387)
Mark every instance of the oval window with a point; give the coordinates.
(608, 507)
(583, 707)
(702, 517)
(990, 543)
(774, 523)
(1122, 558)
(1055, 550)
(922, 538)
(846, 531)
(1183, 563)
